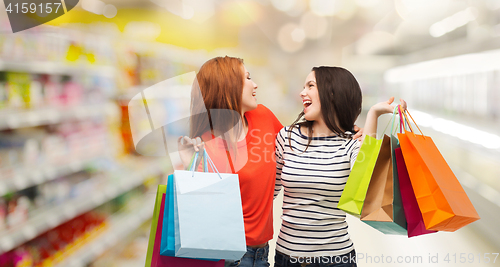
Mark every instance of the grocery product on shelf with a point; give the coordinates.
(22, 90)
(50, 247)
(60, 242)
(51, 146)
(130, 252)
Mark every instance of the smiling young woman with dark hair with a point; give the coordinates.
(340, 100)
(314, 158)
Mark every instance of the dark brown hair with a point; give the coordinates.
(220, 83)
(340, 98)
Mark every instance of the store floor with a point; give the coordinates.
(461, 248)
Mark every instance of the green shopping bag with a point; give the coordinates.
(354, 194)
(162, 189)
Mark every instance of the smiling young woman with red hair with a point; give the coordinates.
(238, 134)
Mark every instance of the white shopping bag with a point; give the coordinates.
(208, 215)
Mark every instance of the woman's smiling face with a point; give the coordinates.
(310, 99)
(248, 99)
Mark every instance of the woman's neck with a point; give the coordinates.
(320, 129)
(244, 124)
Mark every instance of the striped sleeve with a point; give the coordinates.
(280, 142)
(353, 151)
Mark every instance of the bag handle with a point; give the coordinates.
(214, 169)
(389, 123)
(404, 120)
(394, 120)
(192, 165)
(409, 124)
(206, 159)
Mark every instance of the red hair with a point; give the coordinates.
(220, 82)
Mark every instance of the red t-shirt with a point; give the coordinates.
(255, 164)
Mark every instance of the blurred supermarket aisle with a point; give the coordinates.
(76, 191)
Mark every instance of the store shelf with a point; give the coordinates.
(119, 227)
(50, 217)
(48, 67)
(27, 177)
(43, 116)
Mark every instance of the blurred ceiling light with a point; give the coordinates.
(298, 9)
(458, 130)
(314, 26)
(453, 22)
(142, 30)
(374, 42)
(323, 7)
(181, 8)
(493, 4)
(94, 6)
(187, 11)
(367, 3)
(451, 66)
(289, 37)
(298, 35)
(203, 9)
(345, 9)
(109, 11)
(417, 8)
(241, 13)
(284, 5)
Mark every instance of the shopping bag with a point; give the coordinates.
(166, 261)
(208, 215)
(382, 207)
(397, 204)
(354, 194)
(415, 222)
(168, 230)
(154, 224)
(441, 199)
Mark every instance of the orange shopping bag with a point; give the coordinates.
(441, 199)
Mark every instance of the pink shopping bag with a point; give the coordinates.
(414, 219)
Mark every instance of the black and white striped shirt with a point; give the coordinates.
(313, 182)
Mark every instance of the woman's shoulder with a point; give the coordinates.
(261, 110)
(290, 129)
(264, 117)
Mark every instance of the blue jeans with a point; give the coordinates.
(346, 260)
(255, 257)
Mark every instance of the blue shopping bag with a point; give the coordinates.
(208, 216)
(168, 230)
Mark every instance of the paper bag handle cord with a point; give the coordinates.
(387, 126)
(191, 162)
(400, 119)
(211, 163)
(393, 120)
(192, 166)
(404, 120)
(406, 111)
(206, 159)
